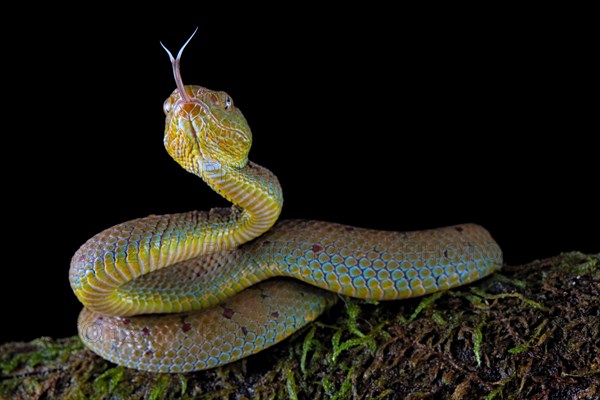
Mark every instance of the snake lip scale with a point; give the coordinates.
(196, 290)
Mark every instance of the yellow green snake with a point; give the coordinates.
(237, 281)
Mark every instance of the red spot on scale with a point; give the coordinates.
(349, 229)
(275, 314)
(184, 325)
(228, 313)
(244, 330)
(145, 331)
(459, 228)
(317, 248)
(126, 321)
(148, 353)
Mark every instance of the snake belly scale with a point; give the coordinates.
(216, 302)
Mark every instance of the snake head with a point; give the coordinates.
(207, 131)
(204, 131)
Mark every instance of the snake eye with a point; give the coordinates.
(167, 107)
(228, 103)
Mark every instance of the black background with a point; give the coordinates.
(388, 119)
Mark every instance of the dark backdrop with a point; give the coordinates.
(388, 120)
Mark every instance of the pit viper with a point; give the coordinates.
(237, 280)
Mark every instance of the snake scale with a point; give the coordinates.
(217, 303)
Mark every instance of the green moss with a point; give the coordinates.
(477, 339)
(494, 339)
(525, 346)
(46, 350)
(438, 318)
(107, 382)
(183, 382)
(521, 284)
(292, 391)
(307, 345)
(159, 389)
(425, 302)
(344, 390)
(519, 296)
(492, 395)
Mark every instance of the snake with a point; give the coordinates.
(196, 290)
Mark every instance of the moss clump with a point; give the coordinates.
(529, 332)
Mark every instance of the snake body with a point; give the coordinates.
(216, 302)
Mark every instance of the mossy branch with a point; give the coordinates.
(497, 338)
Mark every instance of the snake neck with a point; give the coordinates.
(257, 197)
